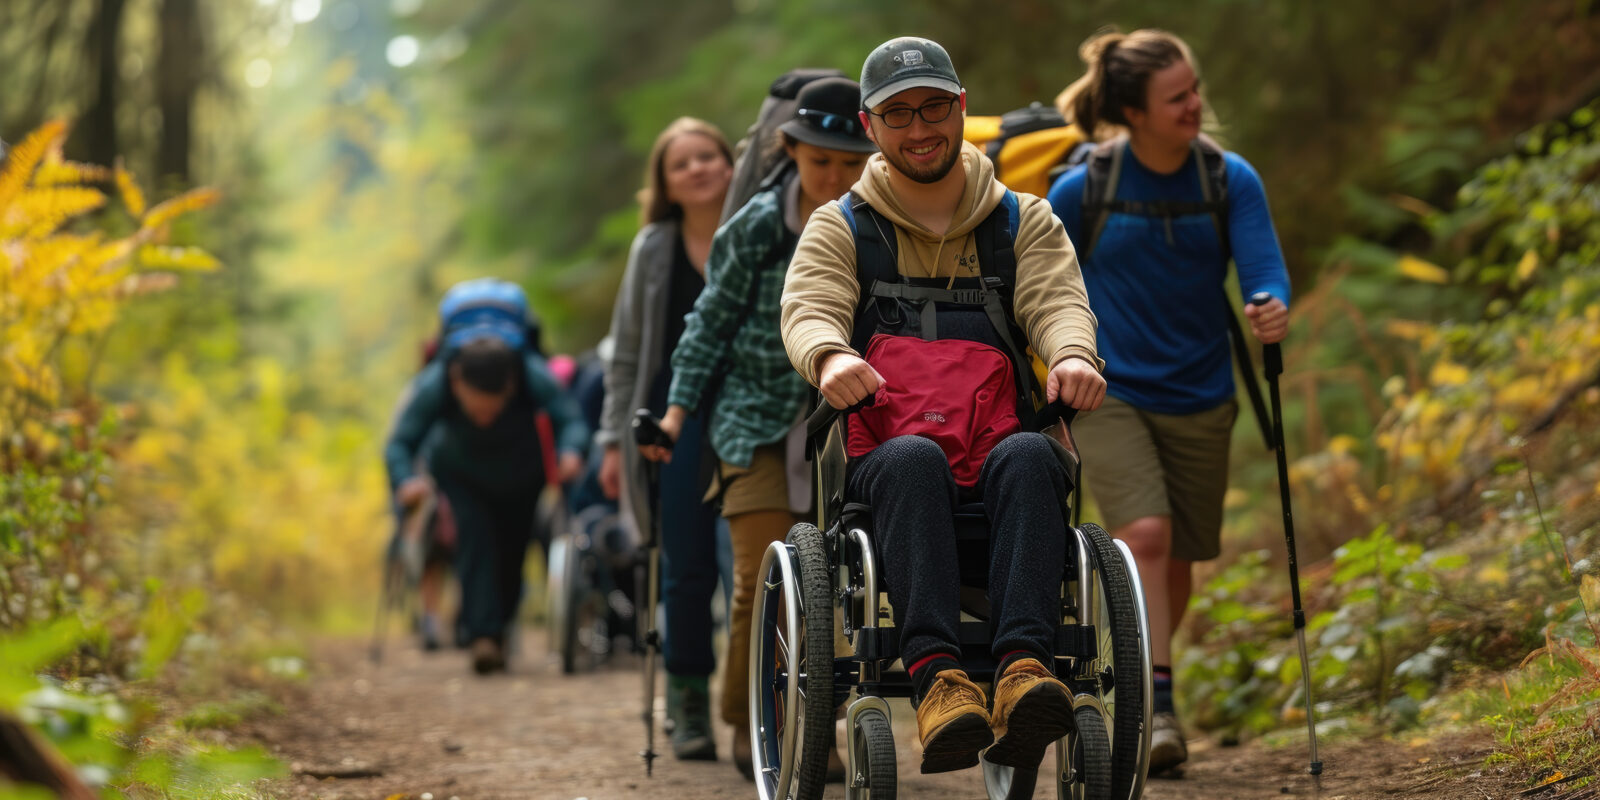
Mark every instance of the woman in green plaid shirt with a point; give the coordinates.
(732, 337)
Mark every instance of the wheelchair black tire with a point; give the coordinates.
(1127, 729)
(1091, 757)
(584, 611)
(816, 597)
(878, 737)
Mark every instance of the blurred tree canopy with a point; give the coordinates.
(1350, 112)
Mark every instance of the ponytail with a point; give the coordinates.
(1117, 67)
(1082, 101)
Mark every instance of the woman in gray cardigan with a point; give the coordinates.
(689, 171)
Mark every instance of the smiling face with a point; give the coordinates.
(1172, 106)
(825, 174)
(694, 171)
(922, 151)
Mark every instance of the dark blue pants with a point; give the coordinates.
(492, 536)
(688, 558)
(907, 482)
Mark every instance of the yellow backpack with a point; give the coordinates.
(1030, 147)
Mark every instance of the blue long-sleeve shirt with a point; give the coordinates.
(1161, 301)
(506, 456)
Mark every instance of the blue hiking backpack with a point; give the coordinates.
(486, 307)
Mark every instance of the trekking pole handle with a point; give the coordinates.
(1271, 354)
(647, 430)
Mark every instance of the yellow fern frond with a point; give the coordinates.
(192, 200)
(22, 159)
(49, 257)
(186, 259)
(114, 251)
(132, 197)
(55, 172)
(38, 212)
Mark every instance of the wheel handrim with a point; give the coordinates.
(777, 701)
(1147, 687)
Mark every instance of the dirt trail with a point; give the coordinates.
(423, 724)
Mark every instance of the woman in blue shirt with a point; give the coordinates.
(1155, 215)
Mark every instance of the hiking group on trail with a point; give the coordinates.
(871, 247)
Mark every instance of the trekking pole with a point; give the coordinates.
(647, 431)
(1272, 365)
(402, 568)
(380, 625)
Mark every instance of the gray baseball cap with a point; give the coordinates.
(905, 63)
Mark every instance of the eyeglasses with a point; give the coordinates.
(932, 113)
(831, 122)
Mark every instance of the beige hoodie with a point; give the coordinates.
(821, 292)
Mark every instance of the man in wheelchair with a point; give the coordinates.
(925, 288)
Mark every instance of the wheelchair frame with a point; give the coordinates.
(1105, 757)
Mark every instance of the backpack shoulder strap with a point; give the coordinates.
(997, 264)
(997, 249)
(1212, 163)
(1103, 173)
(877, 259)
(877, 252)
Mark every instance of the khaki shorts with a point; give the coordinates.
(1143, 464)
(762, 486)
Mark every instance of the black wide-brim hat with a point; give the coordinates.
(828, 116)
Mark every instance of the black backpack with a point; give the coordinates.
(1104, 173)
(980, 308)
(757, 163)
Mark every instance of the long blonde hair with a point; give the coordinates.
(654, 205)
(1118, 67)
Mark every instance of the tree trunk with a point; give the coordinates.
(178, 83)
(96, 132)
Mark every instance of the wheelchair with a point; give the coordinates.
(590, 600)
(827, 573)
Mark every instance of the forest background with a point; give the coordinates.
(194, 384)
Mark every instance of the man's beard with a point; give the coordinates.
(932, 173)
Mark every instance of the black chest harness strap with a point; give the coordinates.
(888, 295)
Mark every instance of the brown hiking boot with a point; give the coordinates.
(952, 723)
(487, 656)
(1031, 710)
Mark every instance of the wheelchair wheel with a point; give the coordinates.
(875, 739)
(791, 668)
(579, 623)
(1122, 664)
(557, 596)
(1089, 749)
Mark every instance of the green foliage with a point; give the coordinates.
(1539, 716)
(112, 734)
(225, 714)
(1484, 410)
(1380, 649)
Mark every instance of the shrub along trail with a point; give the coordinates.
(423, 724)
